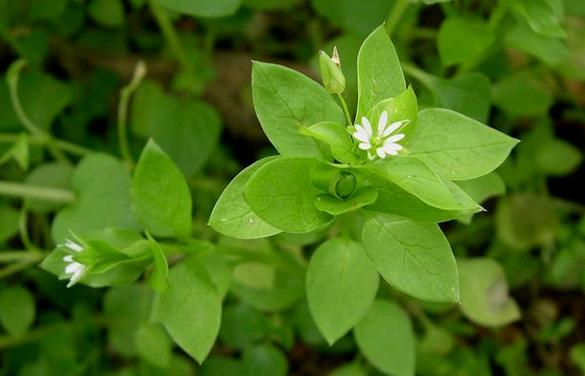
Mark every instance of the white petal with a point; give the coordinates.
(367, 126)
(73, 246)
(382, 123)
(391, 148)
(361, 134)
(68, 258)
(73, 268)
(394, 126)
(380, 152)
(365, 146)
(395, 138)
(76, 277)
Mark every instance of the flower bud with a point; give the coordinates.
(331, 74)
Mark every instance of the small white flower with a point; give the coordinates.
(384, 142)
(74, 269)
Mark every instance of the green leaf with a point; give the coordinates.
(462, 40)
(522, 94)
(190, 308)
(540, 16)
(102, 184)
(264, 360)
(557, 158)
(202, 8)
(336, 136)
(415, 177)
(160, 195)
(548, 49)
(108, 13)
(413, 257)
(158, 279)
(341, 285)
(337, 206)
(232, 216)
(153, 345)
(484, 293)
(187, 130)
(379, 73)
(577, 355)
(17, 310)
(286, 101)
(458, 147)
(386, 338)
(281, 193)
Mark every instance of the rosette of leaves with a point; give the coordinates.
(321, 178)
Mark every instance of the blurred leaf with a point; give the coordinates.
(202, 8)
(468, 94)
(153, 344)
(264, 360)
(526, 220)
(462, 40)
(52, 175)
(540, 15)
(271, 4)
(484, 293)
(188, 131)
(17, 310)
(577, 355)
(242, 326)
(558, 158)
(386, 338)
(108, 13)
(221, 366)
(102, 184)
(19, 152)
(127, 309)
(550, 50)
(354, 16)
(522, 94)
(9, 220)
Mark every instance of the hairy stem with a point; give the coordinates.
(345, 110)
(12, 189)
(12, 78)
(125, 94)
(395, 16)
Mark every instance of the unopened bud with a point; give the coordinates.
(331, 74)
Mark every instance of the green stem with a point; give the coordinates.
(395, 16)
(23, 228)
(11, 256)
(12, 78)
(66, 146)
(423, 77)
(11, 189)
(125, 94)
(170, 34)
(345, 109)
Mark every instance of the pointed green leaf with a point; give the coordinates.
(379, 73)
(160, 195)
(415, 258)
(190, 308)
(232, 216)
(341, 285)
(458, 147)
(285, 101)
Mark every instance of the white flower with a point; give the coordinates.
(74, 269)
(384, 143)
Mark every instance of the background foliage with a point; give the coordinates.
(77, 107)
